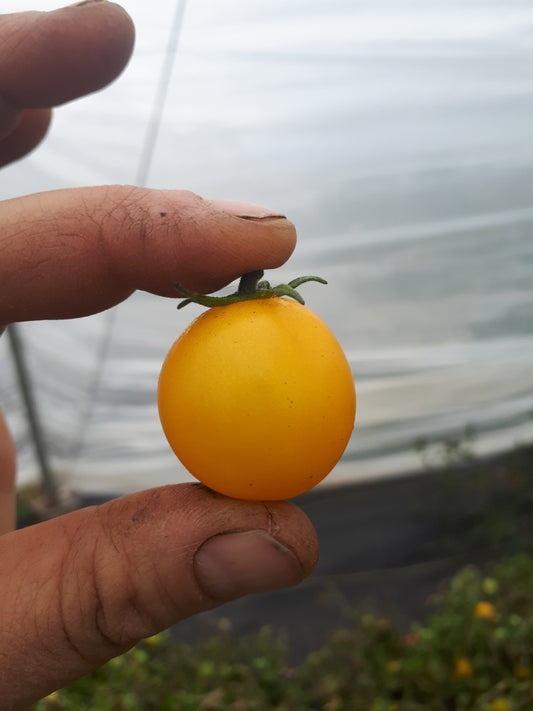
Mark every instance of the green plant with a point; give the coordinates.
(474, 653)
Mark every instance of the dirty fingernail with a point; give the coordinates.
(246, 210)
(230, 565)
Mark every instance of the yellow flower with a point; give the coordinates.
(484, 609)
(501, 704)
(462, 668)
(154, 640)
(393, 666)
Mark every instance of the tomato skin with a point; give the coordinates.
(257, 399)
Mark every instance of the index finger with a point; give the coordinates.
(48, 58)
(74, 252)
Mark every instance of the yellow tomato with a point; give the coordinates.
(257, 399)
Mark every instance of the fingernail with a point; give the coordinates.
(87, 2)
(234, 564)
(246, 210)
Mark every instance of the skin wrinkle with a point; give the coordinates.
(128, 208)
(15, 242)
(99, 619)
(99, 616)
(145, 228)
(101, 235)
(92, 598)
(69, 563)
(122, 562)
(270, 518)
(139, 619)
(64, 616)
(135, 616)
(65, 240)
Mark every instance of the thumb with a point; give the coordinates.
(85, 587)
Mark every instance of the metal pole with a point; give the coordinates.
(154, 122)
(49, 487)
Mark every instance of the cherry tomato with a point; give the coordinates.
(257, 399)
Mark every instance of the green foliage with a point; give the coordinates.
(474, 653)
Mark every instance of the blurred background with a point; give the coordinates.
(395, 134)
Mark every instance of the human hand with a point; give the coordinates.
(84, 587)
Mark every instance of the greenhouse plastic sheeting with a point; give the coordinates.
(397, 137)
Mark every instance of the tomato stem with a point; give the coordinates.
(251, 286)
(250, 282)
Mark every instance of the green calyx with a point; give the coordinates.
(251, 286)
